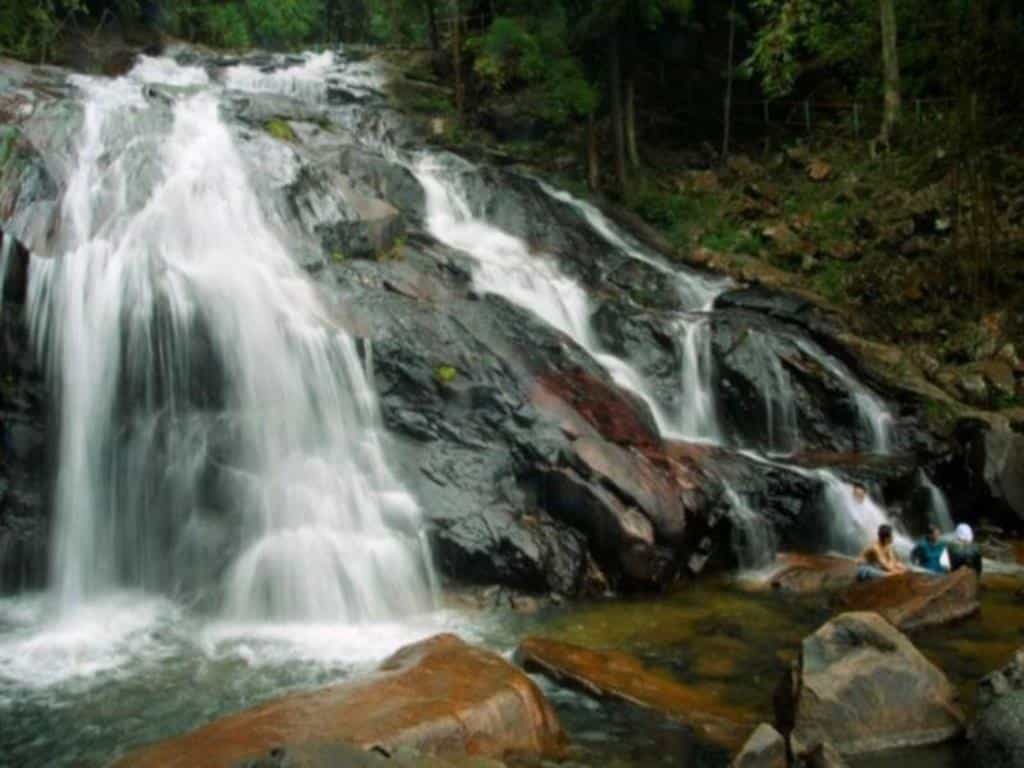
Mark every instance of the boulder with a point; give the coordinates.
(764, 749)
(814, 574)
(984, 474)
(862, 686)
(344, 756)
(915, 601)
(617, 675)
(998, 734)
(439, 696)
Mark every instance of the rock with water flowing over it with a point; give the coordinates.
(862, 686)
(916, 601)
(531, 464)
(617, 675)
(439, 696)
(998, 733)
(764, 749)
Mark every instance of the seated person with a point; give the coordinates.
(963, 550)
(928, 552)
(879, 560)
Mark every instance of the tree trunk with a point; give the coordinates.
(630, 116)
(727, 118)
(890, 71)
(435, 37)
(457, 58)
(615, 98)
(591, 153)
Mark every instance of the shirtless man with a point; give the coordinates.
(879, 560)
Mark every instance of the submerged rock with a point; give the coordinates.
(617, 675)
(915, 601)
(998, 734)
(439, 696)
(862, 686)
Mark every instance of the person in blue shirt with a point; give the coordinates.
(928, 552)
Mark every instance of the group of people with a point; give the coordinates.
(934, 553)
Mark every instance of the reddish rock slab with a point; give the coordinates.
(440, 696)
(914, 601)
(600, 405)
(617, 675)
(814, 574)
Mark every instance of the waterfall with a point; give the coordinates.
(753, 539)
(855, 518)
(505, 266)
(938, 505)
(218, 433)
(696, 291)
(698, 420)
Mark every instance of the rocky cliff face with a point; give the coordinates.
(535, 469)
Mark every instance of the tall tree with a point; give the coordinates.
(890, 71)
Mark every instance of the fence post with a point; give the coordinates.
(856, 119)
(807, 114)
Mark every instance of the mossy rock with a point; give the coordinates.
(445, 374)
(280, 130)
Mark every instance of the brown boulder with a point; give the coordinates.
(813, 574)
(439, 696)
(862, 686)
(913, 601)
(617, 675)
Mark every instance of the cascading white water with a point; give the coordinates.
(938, 505)
(753, 539)
(698, 419)
(696, 292)
(203, 387)
(854, 521)
(506, 267)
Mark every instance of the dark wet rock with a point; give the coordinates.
(764, 749)
(916, 601)
(617, 675)
(998, 733)
(25, 446)
(784, 306)
(439, 696)
(528, 461)
(862, 686)
(984, 475)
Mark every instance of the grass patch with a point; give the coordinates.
(832, 281)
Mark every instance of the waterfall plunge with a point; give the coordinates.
(202, 388)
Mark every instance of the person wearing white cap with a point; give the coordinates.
(963, 551)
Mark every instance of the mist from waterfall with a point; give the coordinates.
(218, 433)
